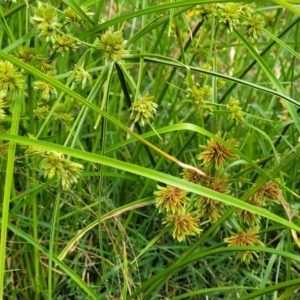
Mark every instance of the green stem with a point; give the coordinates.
(179, 40)
(52, 237)
(83, 113)
(36, 251)
(31, 105)
(102, 183)
(8, 186)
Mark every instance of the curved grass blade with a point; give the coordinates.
(116, 212)
(65, 89)
(149, 10)
(282, 285)
(288, 293)
(70, 92)
(212, 290)
(195, 128)
(226, 215)
(167, 61)
(21, 41)
(155, 175)
(148, 286)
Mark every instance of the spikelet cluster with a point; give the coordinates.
(112, 44)
(174, 203)
(236, 113)
(267, 195)
(217, 154)
(231, 15)
(54, 165)
(72, 17)
(248, 237)
(10, 79)
(208, 207)
(143, 110)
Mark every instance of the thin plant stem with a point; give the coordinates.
(52, 242)
(7, 190)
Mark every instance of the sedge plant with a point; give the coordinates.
(149, 149)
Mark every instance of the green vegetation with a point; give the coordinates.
(149, 149)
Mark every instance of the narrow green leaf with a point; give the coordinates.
(8, 186)
(118, 211)
(149, 10)
(155, 175)
(208, 291)
(18, 7)
(281, 43)
(289, 6)
(272, 288)
(277, 84)
(20, 41)
(151, 284)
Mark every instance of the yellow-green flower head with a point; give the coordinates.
(28, 55)
(143, 110)
(193, 176)
(211, 208)
(170, 199)
(64, 44)
(267, 194)
(45, 66)
(41, 112)
(61, 115)
(271, 193)
(71, 174)
(220, 83)
(236, 113)
(270, 17)
(246, 10)
(47, 89)
(53, 165)
(248, 217)
(206, 11)
(254, 26)
(10, 79)
(73, 17)
(216, 154)
(199, 95)
(229, 15)
(245, 238)
(46, 20)
(56, 165)
(83, 77)
(113, 44)
(183, 224)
